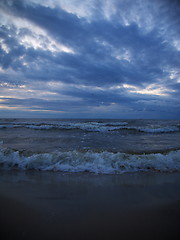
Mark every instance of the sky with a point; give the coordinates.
(90, 59)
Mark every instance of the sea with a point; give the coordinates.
(98, 146)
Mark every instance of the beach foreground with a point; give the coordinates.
(46, 205)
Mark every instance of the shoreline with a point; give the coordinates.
(37, 205)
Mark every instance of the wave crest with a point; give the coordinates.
(95, 162)
(94, 127)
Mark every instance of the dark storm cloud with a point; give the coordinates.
(105, 53)
(94, 61)
(39, 104)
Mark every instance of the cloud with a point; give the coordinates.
(104, 54)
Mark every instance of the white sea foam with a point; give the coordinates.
(159, 130)
(93, 126)
(87, 126)
(95, 162)
(40, 127)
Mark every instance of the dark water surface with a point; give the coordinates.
(89, 179)
(108, 146)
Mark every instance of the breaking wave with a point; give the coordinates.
(94, 127)
(94, 162)
(87, 126)
(154, 130)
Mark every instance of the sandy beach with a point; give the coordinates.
(37, 205)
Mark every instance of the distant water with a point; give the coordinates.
(98, 146)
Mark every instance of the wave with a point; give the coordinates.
(9, 126)
(93, 127)
(158, 130)
(87, 126)
(94, 162)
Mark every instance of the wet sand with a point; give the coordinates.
(37, 205)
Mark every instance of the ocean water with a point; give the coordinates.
(90, 145)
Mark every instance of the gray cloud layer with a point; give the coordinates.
(116, 60)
